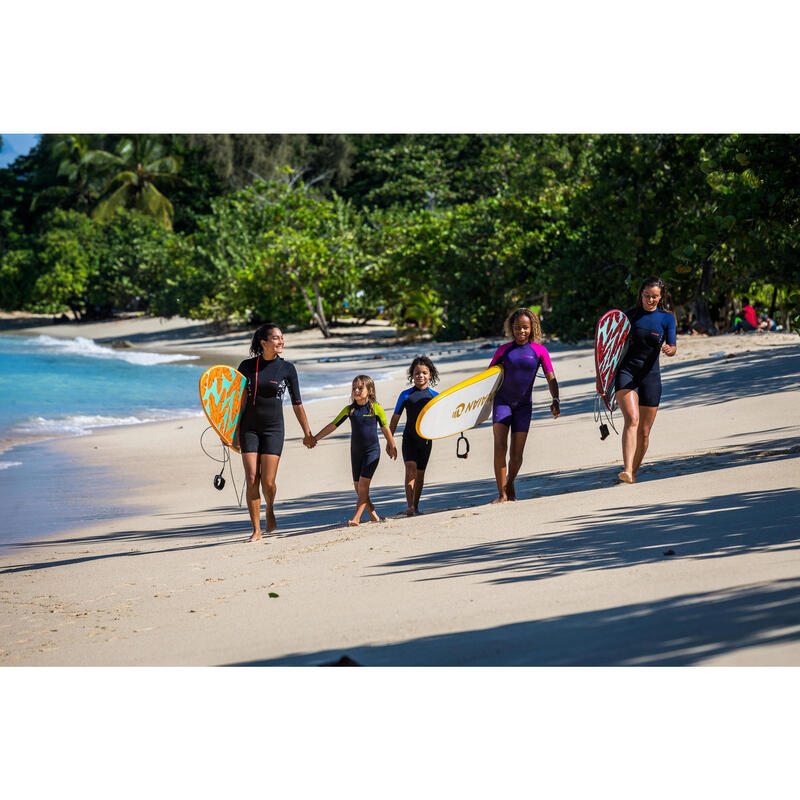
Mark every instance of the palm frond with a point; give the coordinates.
(120, 198)
(163, 165)
(154, 204)
(126, 178)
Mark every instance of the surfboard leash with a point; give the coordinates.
(603, 416)
(219, 480)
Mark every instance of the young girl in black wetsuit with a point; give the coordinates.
(365, 416)
(638, 381)
(416, 450)
(261, 430)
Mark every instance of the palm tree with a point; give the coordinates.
(76, 165)
(138, 164)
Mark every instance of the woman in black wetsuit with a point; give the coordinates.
(638, 381)
(261, 430)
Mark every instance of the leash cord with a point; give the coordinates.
(226, 459)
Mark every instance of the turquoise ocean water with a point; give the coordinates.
(51, 387)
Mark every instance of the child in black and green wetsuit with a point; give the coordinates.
(365, 417)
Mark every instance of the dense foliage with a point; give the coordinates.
(441, 233)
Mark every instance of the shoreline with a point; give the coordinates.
(569, 574)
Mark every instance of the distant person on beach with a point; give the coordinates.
(261, 429)
(416, 450)
(748, 321)
(365, 417)
(638, 381)
(767, 323)
(513, 403)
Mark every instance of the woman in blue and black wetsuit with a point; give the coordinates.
(261, 430)
(638, 381)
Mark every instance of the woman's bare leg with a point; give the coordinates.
(269, 471)
(500, 446)
(647, 416)
(628, 402)
(251, 476)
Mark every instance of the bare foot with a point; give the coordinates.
(351, 523)
(417, 512)
(272, 523)
(374, 516)
(626, 477)
(511, 492)
(255, 537)
(409, 512)
(500, 499)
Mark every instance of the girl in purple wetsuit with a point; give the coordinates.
(513, 403)
(638, 380)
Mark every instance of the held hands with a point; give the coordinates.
(310, 441)
(391, 450)
(555, 408)
(669, 349)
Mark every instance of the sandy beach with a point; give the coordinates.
(697, 563)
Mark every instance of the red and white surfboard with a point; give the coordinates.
(610, 344)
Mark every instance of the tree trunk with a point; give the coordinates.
(319, 318)
(321, 321)
(773, 303)
(699, 303)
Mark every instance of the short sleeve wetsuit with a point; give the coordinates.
(513, 403)
(415, 448)
(365, 452)
(639, 369)
(261, 429)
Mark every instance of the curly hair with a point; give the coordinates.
(536, 328)
(261, 333)
(425, 362)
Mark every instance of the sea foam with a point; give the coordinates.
(82, 424)
(81, 346)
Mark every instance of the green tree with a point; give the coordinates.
(77, 162)
(65, 255)
(138, 167)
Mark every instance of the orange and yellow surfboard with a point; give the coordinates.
(221, 392)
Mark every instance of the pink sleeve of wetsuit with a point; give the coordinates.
(544, 357)
(499, 353)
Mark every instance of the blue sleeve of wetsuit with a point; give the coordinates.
(401, 401)
(669, 330)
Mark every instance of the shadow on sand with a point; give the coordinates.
(679, 631)
(313, 513)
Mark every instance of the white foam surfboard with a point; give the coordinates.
(461, 407)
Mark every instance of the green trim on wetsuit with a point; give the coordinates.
(377, 411)
(365, 452)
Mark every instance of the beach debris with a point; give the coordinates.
(669, 553)
(344, 661)
(273, 594)
(120, 344)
